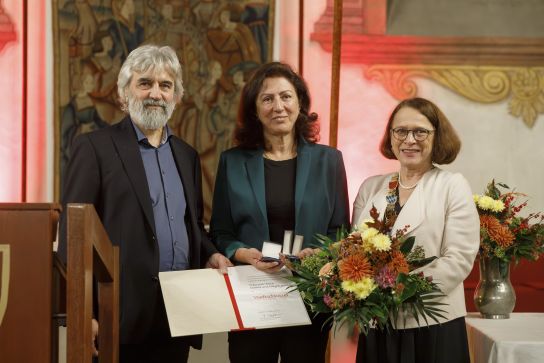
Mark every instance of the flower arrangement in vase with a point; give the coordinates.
(505, 236)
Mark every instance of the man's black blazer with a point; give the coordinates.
(106, 170)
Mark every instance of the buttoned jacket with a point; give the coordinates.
(106, 170)
(441, 214)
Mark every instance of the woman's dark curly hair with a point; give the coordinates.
(249, 130)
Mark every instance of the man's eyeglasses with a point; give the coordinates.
(419, 134)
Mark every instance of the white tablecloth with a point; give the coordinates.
(519, 339)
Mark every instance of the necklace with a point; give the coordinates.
(283, 158)
(268, 155)
(404, 186)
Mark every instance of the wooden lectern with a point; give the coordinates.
(91, 252)
(27, 232)
(30, 296)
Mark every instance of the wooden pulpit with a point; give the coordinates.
(27, 233)
(32, 280)
(90, 252)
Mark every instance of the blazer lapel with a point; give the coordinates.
(255, 174)
(125, 141)
(412, 212)
(377, 201)
(304, 159)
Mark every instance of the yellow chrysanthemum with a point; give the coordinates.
(369, 233)
(381, 242)
(361, 288)
(367, 247)
(363, 226)
(486, 203)
(497, 206)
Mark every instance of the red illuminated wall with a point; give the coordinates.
(11, 97)
(23, 154)
(38, 120)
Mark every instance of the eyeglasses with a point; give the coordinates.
(419, 134)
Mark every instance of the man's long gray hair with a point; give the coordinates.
(148, 57)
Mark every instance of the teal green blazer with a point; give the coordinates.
(239, 217)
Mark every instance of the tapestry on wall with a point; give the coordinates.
(219, 43)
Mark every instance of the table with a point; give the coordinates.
(519, 339)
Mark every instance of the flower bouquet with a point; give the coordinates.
(504, 237)
(365, 279)
(503, 233)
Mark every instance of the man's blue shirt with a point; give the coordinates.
(168, 201)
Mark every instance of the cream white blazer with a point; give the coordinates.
(442, 216)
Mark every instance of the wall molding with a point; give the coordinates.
(482, 69)
(523, 86)
(386, 49)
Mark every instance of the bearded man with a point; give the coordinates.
(145, 185)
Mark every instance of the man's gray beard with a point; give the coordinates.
(150, 118)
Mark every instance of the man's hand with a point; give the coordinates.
(94, 325)
(219, 261)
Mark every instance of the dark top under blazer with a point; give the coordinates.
(106, 170)
(239, 217)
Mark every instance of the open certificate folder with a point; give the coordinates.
(205, 301)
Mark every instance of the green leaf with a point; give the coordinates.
(408, 292)
(413, 311)
(323, 239)
(395, 317)
(421, 310)
(432, 296)
(421, 262)
(407, 245)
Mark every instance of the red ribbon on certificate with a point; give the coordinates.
(235, 306)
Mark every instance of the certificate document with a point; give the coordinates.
(205, 301)
(265, 300)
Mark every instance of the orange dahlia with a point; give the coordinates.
(398, 263)
(354, 268)
(496, 231)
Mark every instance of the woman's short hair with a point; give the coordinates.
(446, 143)
(249, 130)
(149, 57)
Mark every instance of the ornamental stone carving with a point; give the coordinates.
(484, 84)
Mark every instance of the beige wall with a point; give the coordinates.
(495, 144)
(514, 18)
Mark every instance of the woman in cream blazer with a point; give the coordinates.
(436, 207)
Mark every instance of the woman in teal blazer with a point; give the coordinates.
(239, 217)
(277, 179)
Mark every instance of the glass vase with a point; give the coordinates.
(494, 296)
